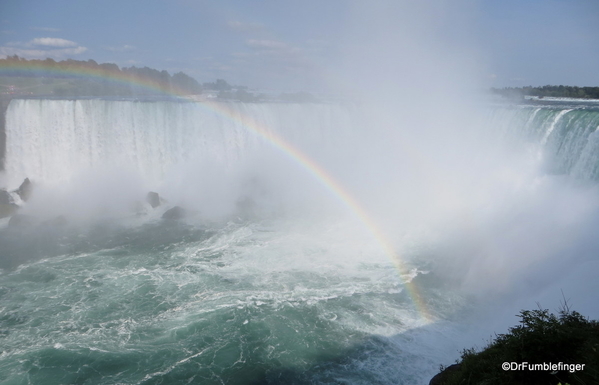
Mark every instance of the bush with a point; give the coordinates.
(541, 337)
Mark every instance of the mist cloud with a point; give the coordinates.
(43, 47)
(52, 42)
(121, 48)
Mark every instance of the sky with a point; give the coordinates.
(310, 44)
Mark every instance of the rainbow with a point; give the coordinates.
(27, 68)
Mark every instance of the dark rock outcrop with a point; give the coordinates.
(5, 198)
(153, 199)
(7, 206)
(442, 377)
(175, 213)
(6, 210)
(25, 189)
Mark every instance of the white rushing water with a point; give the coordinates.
(300, 290)
(52, 140)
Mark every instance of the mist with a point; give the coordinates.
(433, 166)
(415, 148)
(310, 230)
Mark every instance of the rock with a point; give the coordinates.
(6, 210)
(175, 213)
(7, 204)
(25, 189)
(20, 221)
(442, 377)
(153, 199)
(5, 198)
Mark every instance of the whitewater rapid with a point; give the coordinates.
(299, 290)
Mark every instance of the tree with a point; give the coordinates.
(541, 337)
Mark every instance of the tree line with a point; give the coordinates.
(541, 338)
(550, 91)
(89, 78)
(77, 78)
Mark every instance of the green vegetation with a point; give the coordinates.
(218, 85)
(74, 78)
(551, 91)
(541, 337)
(79, 79)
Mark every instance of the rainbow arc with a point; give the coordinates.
(26, 68)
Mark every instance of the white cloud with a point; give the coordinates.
(43, 47)
(122, 48)
(266, 44)
(245, 27)
(26, 53)
(45, 29)
(52, 42)
(41, 53)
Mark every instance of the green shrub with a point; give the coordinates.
(541, 337)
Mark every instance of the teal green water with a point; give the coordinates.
(166, 303)
(275, 301)
(566, 135)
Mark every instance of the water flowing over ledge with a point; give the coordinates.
(298, 296)
(52, 140)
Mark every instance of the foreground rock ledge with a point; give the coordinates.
(441, 378)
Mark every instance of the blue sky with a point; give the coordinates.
(300, 44)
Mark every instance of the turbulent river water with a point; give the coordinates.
(291, 265)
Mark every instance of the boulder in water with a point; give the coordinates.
(175, 213)
(25, 189)
(153, 199)
(5, 198)
(7, 206)
(6, 210)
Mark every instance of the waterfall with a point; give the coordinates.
(565, 135)
(52, 140)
